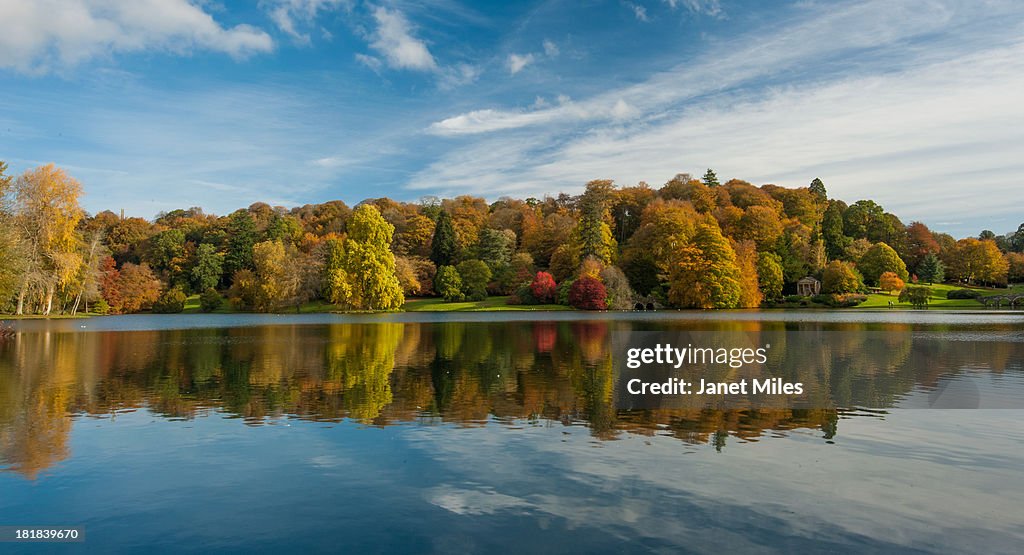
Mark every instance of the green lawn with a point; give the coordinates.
(192, 307)
(938, 300)
(436, 304)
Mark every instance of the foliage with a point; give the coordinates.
(241, 237)
(210, 300)
(443, 246)
(137, 288)
(543, 288)
(704, 272)
(620, 295)
(474, 275)
(931, 269)
(746, 263)
(448, 284)
(588, 293)
(840, 277)
(369, 263)
(710, 179)
(977, 261)
(879, 259)
(963, 294)
(405, 271)
(769, 275)
(916, 295)
(171, 301)
(209, 266)
(890, 282)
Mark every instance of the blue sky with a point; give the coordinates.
(161, 104)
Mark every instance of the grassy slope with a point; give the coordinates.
(490, 303)
(938, 299)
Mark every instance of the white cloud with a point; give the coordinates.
(394, 40)
(639, 11)
(371, 62)
(288, 14)
(891, 129)
(708, 7)
(516, 62)
(550, 48)
(43, 35)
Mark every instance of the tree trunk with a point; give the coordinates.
(49, 300)
(21, 298)
(74, 307)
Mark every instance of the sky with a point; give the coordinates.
(161, 104)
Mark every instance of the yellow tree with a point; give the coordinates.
(46, 205)
(367, 265)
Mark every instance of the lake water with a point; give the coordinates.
(499, 432)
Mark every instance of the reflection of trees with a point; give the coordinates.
(463, 373)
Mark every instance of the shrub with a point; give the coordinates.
(101, 307)
(822, 299)
(210, 300)
(474, 275)
(890, 282)
(963, 294)
(171, 301)
(543, 288)
(793, 298)
(588, 293)
(448, 283)
(916, 295)
(847, 300)
(562, 291)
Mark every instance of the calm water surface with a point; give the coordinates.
(496, 432)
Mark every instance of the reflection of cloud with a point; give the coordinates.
(474, 502)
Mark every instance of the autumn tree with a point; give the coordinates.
(368, 265)
(138, 288)
(620, 295)
(11, 256)
(543, 288)
(665, 226)
(746, 263)
(976, 261)
(832, 230)
(703, 273)
(593, 233)
(1015, 267)
(47, 214)
(881, 258)
(919, 244)
(890, 282)
(588, 293)
(841, 277)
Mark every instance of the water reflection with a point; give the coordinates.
(462, 373)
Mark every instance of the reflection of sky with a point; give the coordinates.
(913, 480)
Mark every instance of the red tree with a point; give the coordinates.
(543, 287)
(110, 286)
(588, 293)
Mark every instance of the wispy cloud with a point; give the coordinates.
(44, 35)
(919, 118)
(290, 15)
(516, 62)
(639, 11)
(394, 40)
(708, 7)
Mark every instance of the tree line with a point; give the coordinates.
(692, 243)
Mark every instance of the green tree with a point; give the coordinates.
(931, 269)
(710, 179)
(369, 264)
(448, 284)
(171, 301)
(832, 230)
(916, 295)
(210, 300)
(818, 190)
(241, 232)
(474, 275)
(703, 274)
(881, 258)
(495, 249)
(769, 273)
(208, 267)
(444, 245)
(841, 277)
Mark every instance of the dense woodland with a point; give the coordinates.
(692, 243)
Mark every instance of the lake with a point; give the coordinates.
(500, 432)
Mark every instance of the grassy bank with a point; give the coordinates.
(489, 304)
(938, 300)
